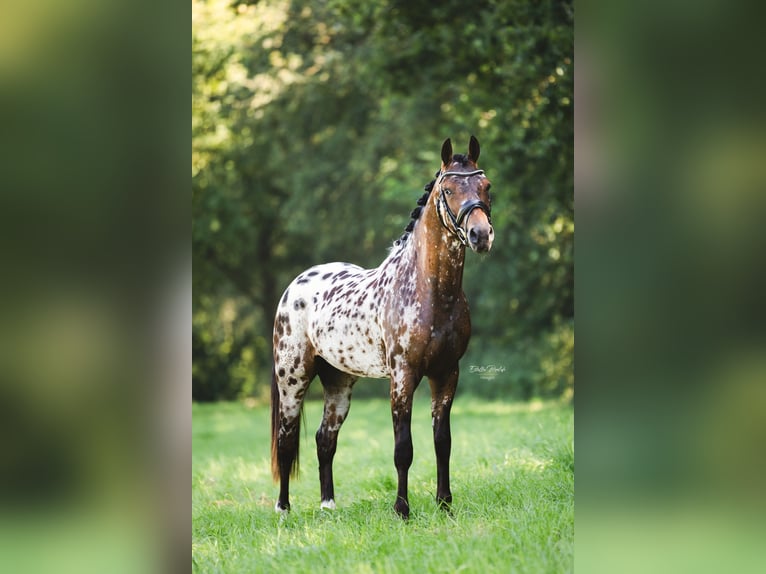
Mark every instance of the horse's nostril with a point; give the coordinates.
(473, 236)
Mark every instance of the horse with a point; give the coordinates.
(406, 319)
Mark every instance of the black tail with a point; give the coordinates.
(274, 426)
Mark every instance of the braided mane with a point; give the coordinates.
(415, 215)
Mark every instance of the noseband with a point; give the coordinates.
(465, 209)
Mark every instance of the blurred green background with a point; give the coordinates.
(671, 358)
(315, 126)
(670, 179)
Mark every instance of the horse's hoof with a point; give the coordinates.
(327, 505)
(402, 508)
(445, 504)
(282, 510)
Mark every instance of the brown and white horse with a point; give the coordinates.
(406, 319)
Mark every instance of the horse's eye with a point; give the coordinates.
(448, 191)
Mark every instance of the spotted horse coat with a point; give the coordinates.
(405, 319)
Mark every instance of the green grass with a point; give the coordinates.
(512, 482)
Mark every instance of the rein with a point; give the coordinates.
(465, 209)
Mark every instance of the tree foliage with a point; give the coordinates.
(315, 126)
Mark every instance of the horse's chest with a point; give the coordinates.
(428, 334)
(446, 346)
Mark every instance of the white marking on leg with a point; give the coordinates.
(327, 505)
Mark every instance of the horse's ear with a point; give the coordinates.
(447, 152)
(474, 150)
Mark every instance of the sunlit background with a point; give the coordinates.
(315, 127)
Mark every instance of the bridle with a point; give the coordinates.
(465, 209)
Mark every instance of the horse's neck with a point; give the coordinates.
(439, 257)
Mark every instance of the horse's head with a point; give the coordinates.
(463, 201)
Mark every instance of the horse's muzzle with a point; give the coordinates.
(480, 238)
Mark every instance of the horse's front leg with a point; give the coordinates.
(402, 389)
(442, 394)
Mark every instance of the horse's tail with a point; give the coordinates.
(275, 424)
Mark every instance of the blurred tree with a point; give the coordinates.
(315, 126)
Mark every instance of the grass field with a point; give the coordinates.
(512, 484)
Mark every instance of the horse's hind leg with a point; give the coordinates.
(337, 401)
(293, 372)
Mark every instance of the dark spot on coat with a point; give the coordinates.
(326, 275)
(299, 304)
(281, 372)
(292, 381)
(279, 324)
(284, 297)
(312, 273)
